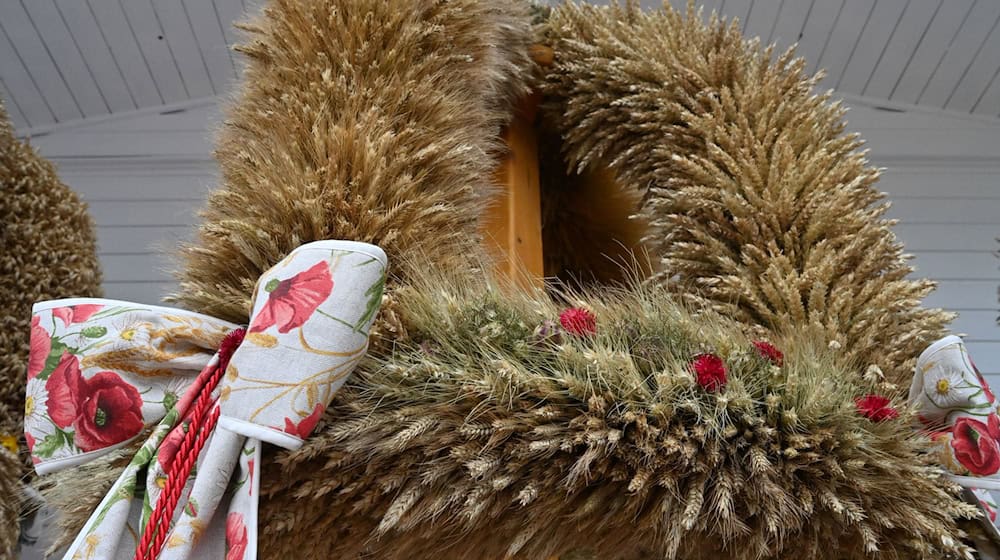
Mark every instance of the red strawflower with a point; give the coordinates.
(769, 352)
(875, 408)
(578, 321)
(710, 372)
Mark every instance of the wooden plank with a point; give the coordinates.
(960, 211)
(948, 237)
(957, 60)
(96, 54)
(21, 87)
(81, 144)
(960, 144)
(869, 46)
(979, 76)
(63, 50)
(737, 10)
(862, 117)
(913, 24)
(791, 20)
(147, 267)
(927, 57)
(191, 186)
(207, 27)
(762, 19)
(139, 292)
(155, 50)
(956, 265)
(513, 224)
(978, 324)
(229, 12)
(201, 119)
(29, 48)
(959, 295)
(10, 105)
(124, 46)
(184, 47)
(944, 182)
(816, 31)
(144, 213)
(850, 22)
(126, 240)
(986, 354)
(989, 103)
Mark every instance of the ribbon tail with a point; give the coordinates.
(114, 524)
(195, 532)
(244, 507)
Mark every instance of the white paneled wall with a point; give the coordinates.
(144, 177)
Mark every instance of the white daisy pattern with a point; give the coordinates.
(36, 415)
(949, 388)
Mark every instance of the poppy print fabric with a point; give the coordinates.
(100, 371)
(958, 410)
(103, 372)
(302, 342)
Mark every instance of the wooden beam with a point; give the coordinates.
(513, 225)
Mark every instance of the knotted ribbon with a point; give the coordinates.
(960, 413)
(102, 373)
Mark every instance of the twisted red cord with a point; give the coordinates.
(198, 432)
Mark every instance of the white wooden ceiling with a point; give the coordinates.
(66, 60)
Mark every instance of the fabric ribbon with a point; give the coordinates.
(959, 412)
(103, 372)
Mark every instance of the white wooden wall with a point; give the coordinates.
(144, 176)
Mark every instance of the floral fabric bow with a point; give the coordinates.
(103, 372)
(956, 407)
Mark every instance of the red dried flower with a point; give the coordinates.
(710, 371)
(578, 321)
(769, 352)
(875, 408)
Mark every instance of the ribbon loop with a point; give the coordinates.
(308, 331)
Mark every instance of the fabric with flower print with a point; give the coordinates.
(109, 370)
(305, 338)
(100, 371)
(957, 409)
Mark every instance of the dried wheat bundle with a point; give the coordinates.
(48, 251)
(477, 428)
(759, 204)
(500, 427)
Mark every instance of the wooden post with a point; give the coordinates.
(513, 225)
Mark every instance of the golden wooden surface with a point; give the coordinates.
(513, 225)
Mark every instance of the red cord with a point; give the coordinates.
(199, 430)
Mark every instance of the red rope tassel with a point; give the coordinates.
(204, 415)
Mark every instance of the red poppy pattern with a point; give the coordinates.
(975, 444)
(305, 426)
(101, 410)
(41, 345)
(75, 313)
(293, 300)
(236, 536)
